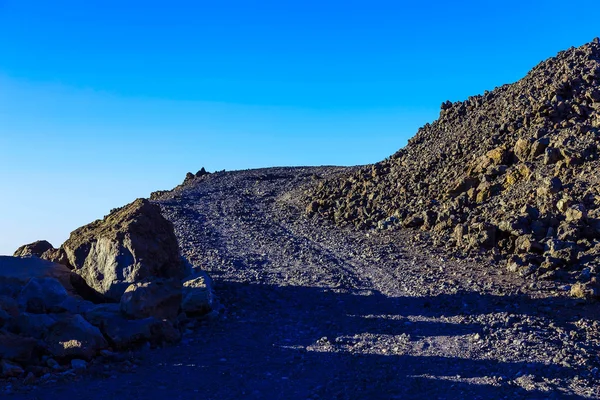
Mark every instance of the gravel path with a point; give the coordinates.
(311, 311)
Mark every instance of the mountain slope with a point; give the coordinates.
(513, 170)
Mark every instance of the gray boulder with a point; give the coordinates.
(74, 337)
(16, 272)
(197, 294)
(36, 248)
(41, 294)
(160, 299)
(129, 245)
(124, 333)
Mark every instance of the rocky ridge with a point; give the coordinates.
(512, 172)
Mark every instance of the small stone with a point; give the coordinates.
(576, 213)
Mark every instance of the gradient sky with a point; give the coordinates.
(102, 102)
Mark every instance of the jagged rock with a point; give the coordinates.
(33, 249)
(576, 213)
(56, 256)
(551, 155)
(568, 231)
(189, 177)
(74, 337)
(538, 148)
(561, 250)
(41, 294)
(527, 244)
(160, 299)
(197, 294)
(523, 148)
(482, 234)
(129, 245)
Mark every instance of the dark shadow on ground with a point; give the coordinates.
(281, 321)
(258, 350)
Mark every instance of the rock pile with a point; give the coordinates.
(114, 284)
(513, 171)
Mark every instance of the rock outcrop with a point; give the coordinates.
(513, 171)
(129, 245)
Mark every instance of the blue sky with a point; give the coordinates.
(102, 102)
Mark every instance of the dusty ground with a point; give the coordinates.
(315, 312)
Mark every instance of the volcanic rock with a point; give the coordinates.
(531, 145)
(124, 333)
(33, 249)
(16, 272)
(160, 299)
(198, 294)
(74, 337)
(41, 294)
(129, 245)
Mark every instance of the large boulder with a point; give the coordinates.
(39, 295)
(74, 337)
(124, 333)
(160, 299)
(129, 245)
(16, 272)
(36, 248)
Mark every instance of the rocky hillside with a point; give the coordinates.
(512, 171)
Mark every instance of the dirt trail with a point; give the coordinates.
(315, 312)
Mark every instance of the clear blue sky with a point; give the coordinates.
(105, 101)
